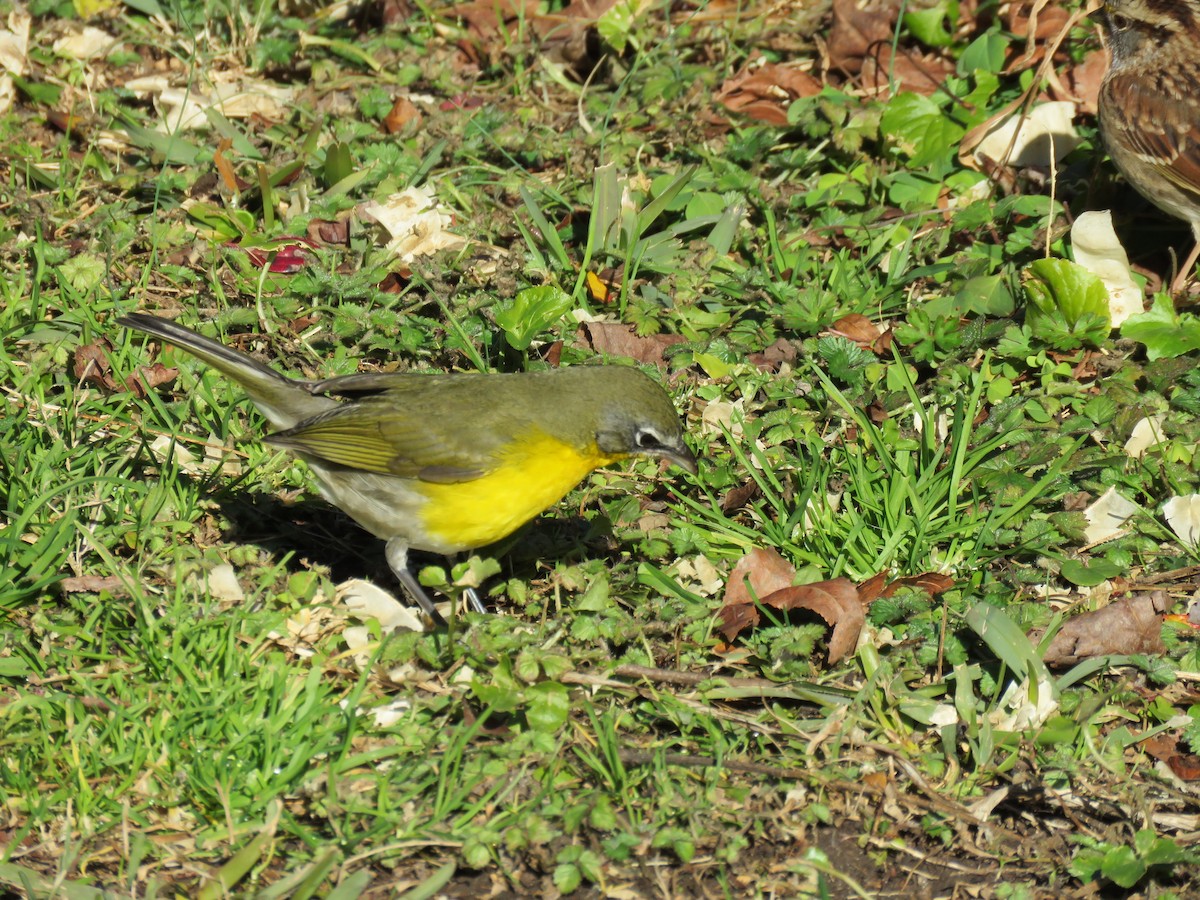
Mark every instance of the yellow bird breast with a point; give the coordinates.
(536, 472)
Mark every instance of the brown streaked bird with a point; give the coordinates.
(449, 462)
(1149, 105)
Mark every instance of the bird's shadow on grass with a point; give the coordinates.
(314, 533)
(317, 534)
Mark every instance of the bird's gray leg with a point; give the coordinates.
(397, 557)
(474, 601)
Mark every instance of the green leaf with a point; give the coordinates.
(1156, 851)
(933, 26)
(222, 224)
(1068, 305)
(549, 704)
(567, 878)
(1164, 332)
(1089, 576)
(985, 295)
(338, 163)
(501, 698)
(39, 91)
(530, 313)
(83, 272)
(616, 25)
(919, 128)
(987, 53)
(1122, 867)
(1007, 641)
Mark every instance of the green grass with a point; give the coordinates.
(164, 735)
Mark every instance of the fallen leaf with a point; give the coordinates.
(151, 376)
(1036, 19)
(84, 43)
(836, 601)
(596, 288)
(773, 357)
(765, 91)
(223, 583)
(14, 55)
(1185, 766)
(619, 339)
(873, 588)
(1107, 516)
(856, 30)
(1130, 625)
(183, 107)
(91, 365)
(416, 221)
(1095, 246)
(932, 583)
(403, 114)
(1040, 137)
(858, 328)
(285, 256)
(736, 498)
(723, 416)
(1183, 515)
(325, 231)
(1161, 746)
(757, 574)
(764, 574)
(1147, 433)
(885, 72)
(1083, 81)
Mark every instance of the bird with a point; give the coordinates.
(1149, 105)
(447, 462)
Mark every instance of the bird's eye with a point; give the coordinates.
(1119, 22)
(646, 440)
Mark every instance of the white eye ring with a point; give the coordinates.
(645, 438)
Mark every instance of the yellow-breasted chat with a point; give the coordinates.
(448, 462)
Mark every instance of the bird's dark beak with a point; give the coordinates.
(682, 457)
(1097, 14)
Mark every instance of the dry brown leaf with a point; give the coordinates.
(873, 588)
(1083, 82)
(836, 601)
(91, 365)
(1130, 625)
(1161, 746)
(1037, 20)
(151, 376)
(1185, 766)
(773, 357)
(736, 498)
(486, 20)
(764, 574)
(760, 572)
(764, 92)
(403, 114)
(908, 70)
(857, 30)
(856, 327)
(330, 232)
(617, 339)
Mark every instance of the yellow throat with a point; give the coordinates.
(536, 472)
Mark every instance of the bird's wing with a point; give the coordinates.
(1162, 126)
(377, 434)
